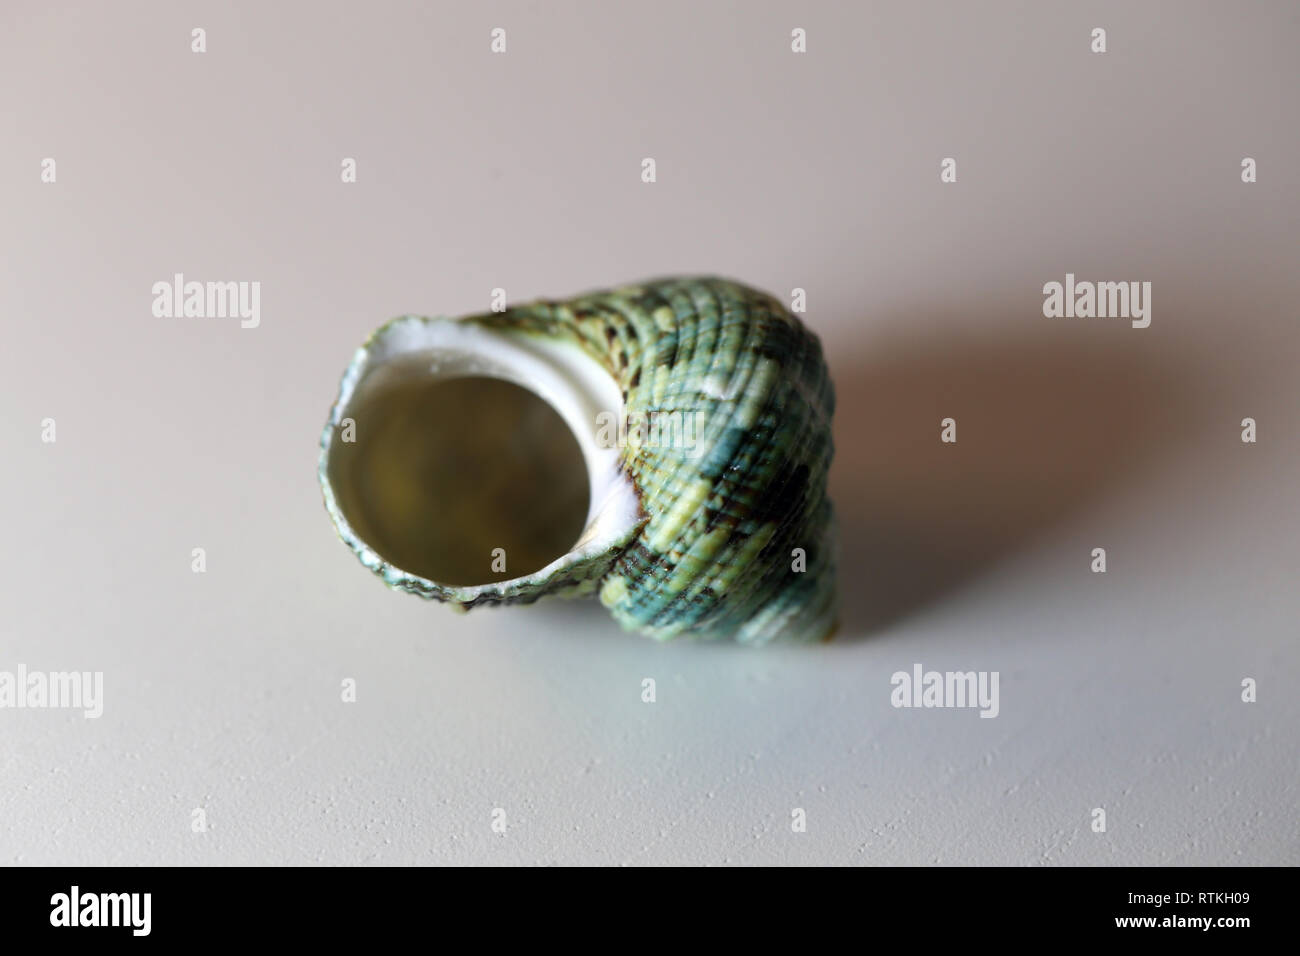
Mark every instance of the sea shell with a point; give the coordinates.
(681, 452)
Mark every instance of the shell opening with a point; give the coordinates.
(469, 459)
(462, 480)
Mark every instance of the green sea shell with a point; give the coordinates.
(663, 445)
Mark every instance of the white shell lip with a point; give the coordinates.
(560, 373)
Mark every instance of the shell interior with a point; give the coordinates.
(474, 467)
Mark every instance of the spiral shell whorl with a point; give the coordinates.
(724, 513)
